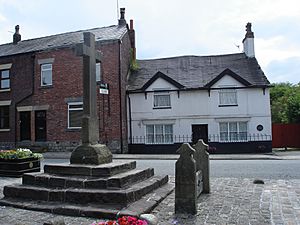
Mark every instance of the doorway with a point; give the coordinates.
(25, 126)
(40, 125)
(200, 132)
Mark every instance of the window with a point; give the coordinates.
(75, 112)
(4, 79)
(233, 131)
(159, 134)
(46, 74)
(162, 100)
(4, 117)
(98, 71)
(228, 97)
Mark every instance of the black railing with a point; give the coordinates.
(167, 139)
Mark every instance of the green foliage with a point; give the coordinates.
(285, 103)
(133, 64)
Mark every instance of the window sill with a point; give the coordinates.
(73, 129)
(46, 87)
(228, 105)
(4, 130)
(159, 143)
(232, 141)
(5, 90)
(162, 107)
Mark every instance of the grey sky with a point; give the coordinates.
(166, 28)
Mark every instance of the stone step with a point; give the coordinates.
(114, 182)
(103, 170)
(144, 205)
(86, 196)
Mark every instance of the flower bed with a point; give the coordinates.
(15, 162)
(20, 153)
(124, 220)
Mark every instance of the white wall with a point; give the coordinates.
(201, 107)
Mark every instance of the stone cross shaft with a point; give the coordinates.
(90, 123)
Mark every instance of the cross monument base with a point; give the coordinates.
(91, 154)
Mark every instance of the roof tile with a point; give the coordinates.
(61, 40)
(197, 71)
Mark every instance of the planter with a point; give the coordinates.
(17, 167)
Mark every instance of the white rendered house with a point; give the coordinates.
(222, 99)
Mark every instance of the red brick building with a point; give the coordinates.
(41, 89)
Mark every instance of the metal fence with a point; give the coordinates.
(167, 139)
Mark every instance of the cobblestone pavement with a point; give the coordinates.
(231, 201)
(239, 201)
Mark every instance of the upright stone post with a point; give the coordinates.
(202, 163)
(90, 152)
(185, 181)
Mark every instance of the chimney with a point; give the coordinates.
(17, 35)
(122, 20)
(132, 40)
(248, 42)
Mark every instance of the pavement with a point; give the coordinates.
(231, 201)
(275, 155)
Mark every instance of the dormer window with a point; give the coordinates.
(228, 97)
(46, 74)
(4, 79)
(162, 100)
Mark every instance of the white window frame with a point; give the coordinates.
(226, 95)
(43, 71)
(73, 109)
(240, 136)
(158, 94)
(4, 79)
(162, 136)
(98, 71)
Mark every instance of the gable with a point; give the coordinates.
(163, 79)
(228, 77)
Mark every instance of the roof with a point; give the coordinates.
(163, 76)
(194, 72)
(61, 40)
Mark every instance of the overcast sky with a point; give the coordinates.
(166, 28)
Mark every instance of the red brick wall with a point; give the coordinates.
(67, 84)
(21, 86)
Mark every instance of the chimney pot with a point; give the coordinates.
(122, 20)
(249, 32)
(131, 24)
(122, 11)
(248, 41)
(17, 35)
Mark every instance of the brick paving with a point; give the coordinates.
(232, 201)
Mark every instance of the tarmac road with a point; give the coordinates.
(262, 169)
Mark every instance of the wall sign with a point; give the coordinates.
(259, 127)
(103, 89)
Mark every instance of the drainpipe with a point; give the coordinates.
(21, 100)
(120, 97)
(130, 119)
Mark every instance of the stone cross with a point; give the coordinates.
(90, 152)
(90, 123)
(202, 163)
